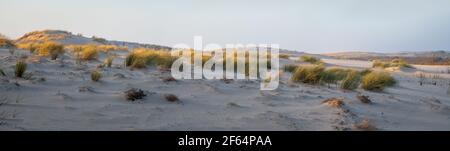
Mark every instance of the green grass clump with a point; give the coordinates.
(328, 77)
(290, 67)
(308, 74)
(351, 81)
(310, 59)
(377, 81)
(340, 73)
(348, 79)
(20, 69)
(96, 76)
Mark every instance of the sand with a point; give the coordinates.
(61, 96)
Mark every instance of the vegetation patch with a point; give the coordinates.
(393, 63)
(377, 81)
(290, 67)
(96, 76)
(310, 59)
(134, 94)
(20, 69)
(51, 49)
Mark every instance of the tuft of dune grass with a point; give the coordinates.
(2, 73)
(96, 76)
(377, 81)
(284, 56)
(141, 57)
(290, 67)
(351, 81)
(89, 52)
(32, 47)
(51, 49)
(108, 61)
(308, 74)
(392, 63)
(171, 97)
(20, 68)
(310, 59)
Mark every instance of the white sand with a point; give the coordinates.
(69, 100)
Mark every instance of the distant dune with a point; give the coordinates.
(68, 38)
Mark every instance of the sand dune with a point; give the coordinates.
(61, 96)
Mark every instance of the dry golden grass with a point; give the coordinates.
(43, 36)
(6, 43)
(365, 125)
(89, 52)
(51, 49)
(334, 102)
(32, 47)
(141, 57)
(107, 48)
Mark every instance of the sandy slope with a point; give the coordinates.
(68, 100)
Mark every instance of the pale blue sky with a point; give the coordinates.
(306, 25)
